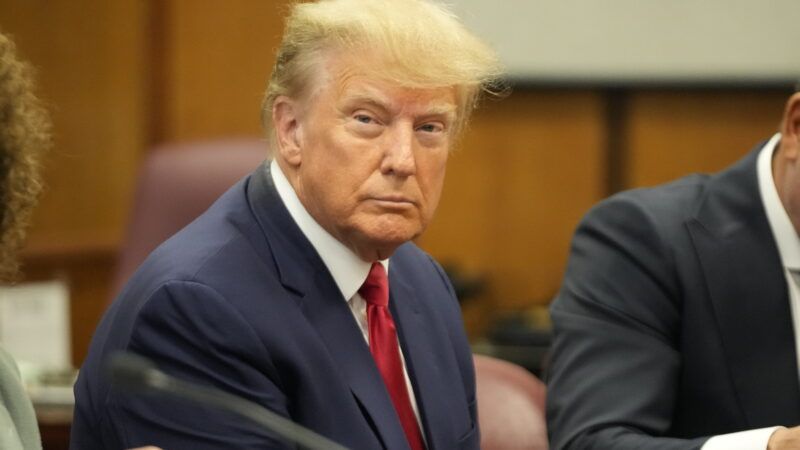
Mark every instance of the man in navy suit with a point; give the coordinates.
(278, 293)
(678, 320)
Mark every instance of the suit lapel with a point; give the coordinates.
(748, 292)
(331, 317)
(302, 271)
(426, 358)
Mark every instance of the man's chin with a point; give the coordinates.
(383, 241)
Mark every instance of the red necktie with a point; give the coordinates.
(386, 351)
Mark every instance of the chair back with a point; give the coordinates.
(511, 404)
(177, 183)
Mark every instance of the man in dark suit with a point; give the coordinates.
(278, 293)
(675, 327)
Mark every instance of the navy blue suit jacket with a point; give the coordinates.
(240, 300)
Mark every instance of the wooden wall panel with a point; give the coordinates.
(92, 58)
(528, 169)
(217, 59)
(674, 133)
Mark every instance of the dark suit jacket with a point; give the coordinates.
(673, 321)
(240, 300)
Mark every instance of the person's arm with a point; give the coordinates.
(190, 332)
(614, 369)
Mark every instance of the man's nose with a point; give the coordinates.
(398, 158)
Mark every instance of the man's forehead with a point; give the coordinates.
(361, 78)
(372, 90)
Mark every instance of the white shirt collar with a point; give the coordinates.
(348, 270)
(782, 229)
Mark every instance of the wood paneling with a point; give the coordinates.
(674, 133)
(528, 169)
(217, 58)
(91, 58)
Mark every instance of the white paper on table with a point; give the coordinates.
(34, 324)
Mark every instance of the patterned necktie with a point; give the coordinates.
(386, 352)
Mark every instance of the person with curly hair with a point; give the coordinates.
(24, 137)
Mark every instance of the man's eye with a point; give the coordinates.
(430, 128)
(364, 118)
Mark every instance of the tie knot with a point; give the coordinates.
(375, 289)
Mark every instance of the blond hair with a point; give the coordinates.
(419, 44)
(24, 135)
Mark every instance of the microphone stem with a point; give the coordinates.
(281, 426)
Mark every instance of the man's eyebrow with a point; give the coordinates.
(360, 99)
(435, 109)
(441, 109)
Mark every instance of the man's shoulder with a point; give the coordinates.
(669, 204)
(732, 191)
(679, 194)
(225, 242)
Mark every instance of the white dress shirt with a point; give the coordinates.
(788, 244)
(347, 269)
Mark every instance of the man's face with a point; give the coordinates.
(371, 158)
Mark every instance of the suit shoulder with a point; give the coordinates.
(641, 227)
(680, 194)
(225, 240)
(665, 206)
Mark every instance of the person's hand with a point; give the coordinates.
(784, 438)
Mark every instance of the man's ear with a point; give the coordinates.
(285, 119)
(790, 126)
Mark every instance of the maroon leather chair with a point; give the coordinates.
(177, 182)
(510, 406)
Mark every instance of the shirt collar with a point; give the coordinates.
(348, 270)
(782, 229)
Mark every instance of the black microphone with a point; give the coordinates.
(140, 374)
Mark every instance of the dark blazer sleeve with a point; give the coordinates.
(615, 365)
(194, 334)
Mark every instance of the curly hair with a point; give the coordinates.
(24, 136)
